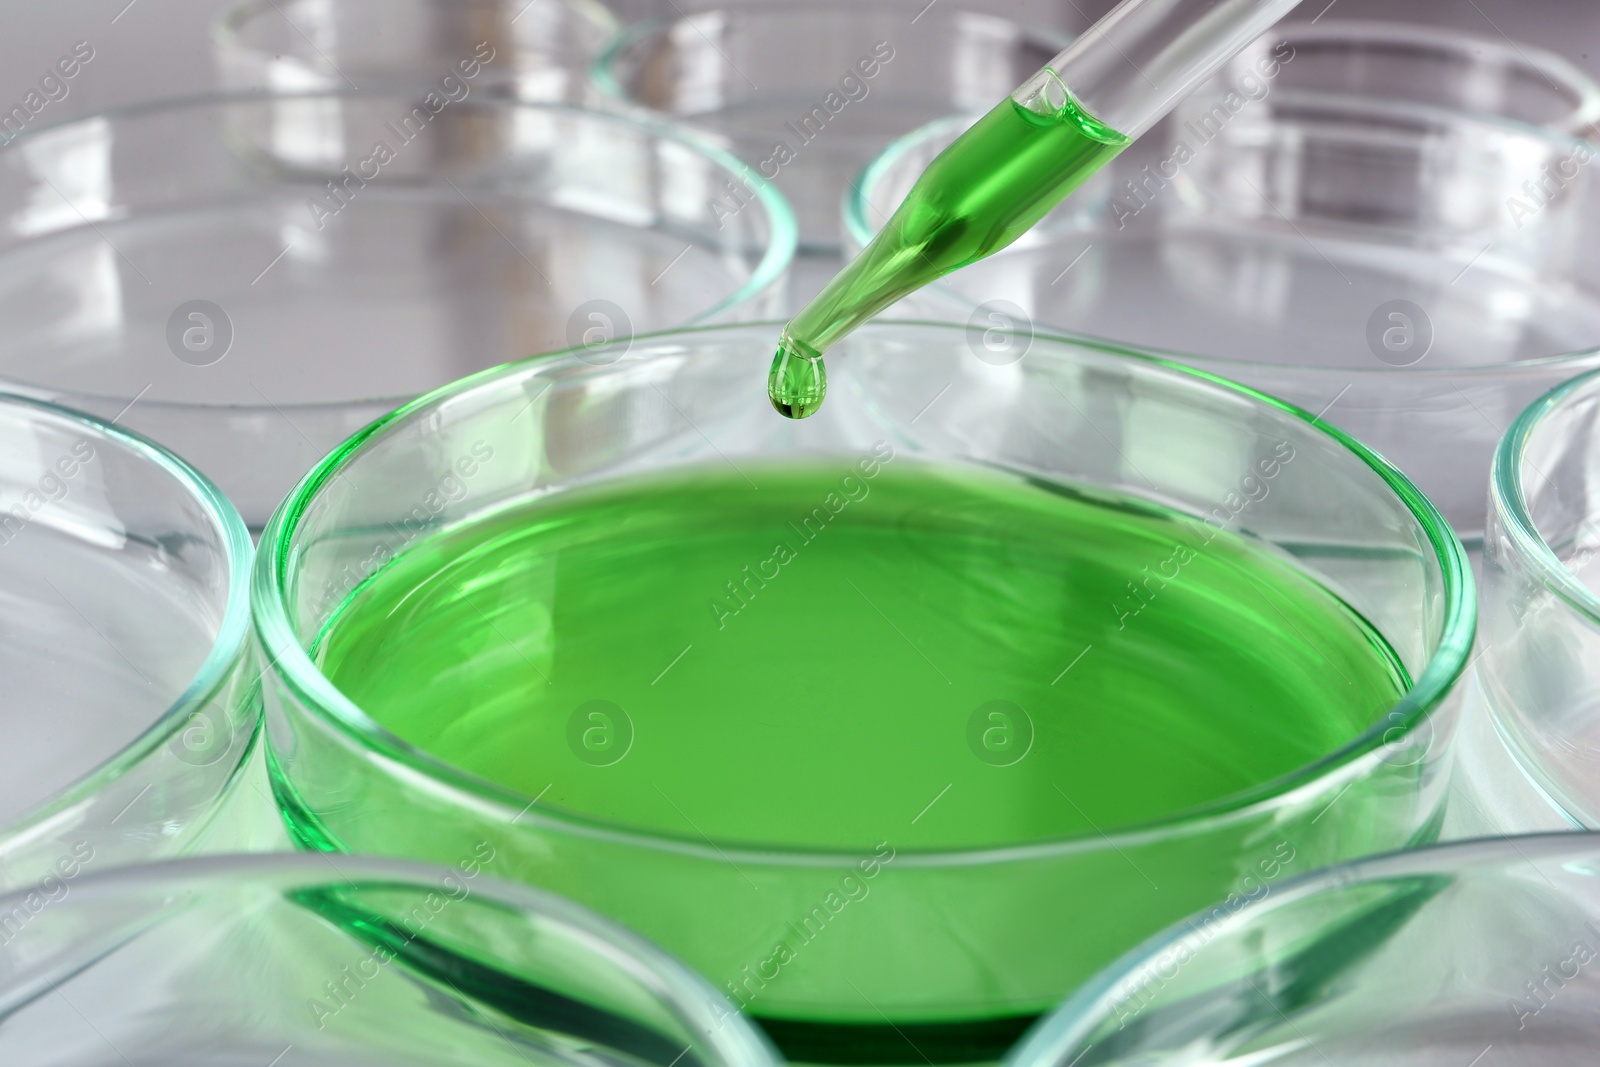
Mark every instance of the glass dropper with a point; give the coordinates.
(1017, 162)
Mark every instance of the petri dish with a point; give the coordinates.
(1421, 64)
(129, 706)
(1541, 609)
(217, 272)
(941, 935)
(1383, 264)
(808, 93)
(526, 51)
(1480, 948)
(234, 960)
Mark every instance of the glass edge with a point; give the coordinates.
(226, 26)
(1507, 495)
(294, 669)
(691, 994)
(1067, 1027)
(229, 647)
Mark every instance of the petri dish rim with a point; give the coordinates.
(233, 632)
(1562, 75)
(770, 271)
(297, 672)
(228, 27)
(601, 68)
(1508, 497)
(1068, 1024)
(853, 206)
(661, 972)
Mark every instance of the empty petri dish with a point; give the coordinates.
(129, 706)
(808, 93)
(1421, 64)
(250, 280)
(1541, 649)
(238, 960)
(538, 50)
(1481, 949)
(847, 713)
(1414, 275)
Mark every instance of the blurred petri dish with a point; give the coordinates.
(1423, 959)
(1413, 275)
(1420, 64)
(508, 48)
(947, 942)
(129, 704)
(1540, 665)
(808, 93)
(237, 960)
(249, 280)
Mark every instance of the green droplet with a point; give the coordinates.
(798, 380)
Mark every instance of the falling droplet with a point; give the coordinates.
(798, 380)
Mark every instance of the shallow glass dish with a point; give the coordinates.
(1382, 264)
(235, 961)
(250, 280)
(1540, 666)
(1479, 952)
(956, 949)
(538, 50)
(128, 705)
(1423, 64)
(807, 93)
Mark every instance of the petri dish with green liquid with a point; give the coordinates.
(896, 723)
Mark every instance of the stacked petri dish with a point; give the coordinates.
(130, 705)
(865, 827)
(250, 280)
(1361, 222)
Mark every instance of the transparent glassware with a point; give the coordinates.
(946, 924)
(541, 50)
(1540, 665)
(808, 93)
(234, 961)
(1381, 263)
(250, 280)
(1433, 65)
(1479, 950)
(129, 703)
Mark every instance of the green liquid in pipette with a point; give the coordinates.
(934, 657)
(980, 194)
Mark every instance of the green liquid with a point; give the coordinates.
(980, 194)
(823, 704)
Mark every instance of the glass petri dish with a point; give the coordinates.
(1542, 612)
(218, 273)
(129, 704)
(808, 93)
(957, 948)
(510, 48)
(1424, 959)
(1383, 264)
(1420, 64)
(237, 960)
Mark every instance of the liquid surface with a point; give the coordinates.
(859, 647)
(980, 194)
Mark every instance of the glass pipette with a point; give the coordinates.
(1017, 162)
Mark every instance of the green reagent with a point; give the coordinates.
(983, 192)
(810, 664)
